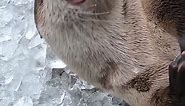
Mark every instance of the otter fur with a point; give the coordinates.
(121, 46)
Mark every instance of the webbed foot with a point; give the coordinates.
(177, 79)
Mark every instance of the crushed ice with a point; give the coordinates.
(29, 73)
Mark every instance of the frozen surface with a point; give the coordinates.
(29, 74)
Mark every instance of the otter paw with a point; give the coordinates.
(177, 76)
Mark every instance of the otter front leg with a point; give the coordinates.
(177, 80)
(182, 43)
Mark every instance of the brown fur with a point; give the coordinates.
(125, 52)
(169, 13)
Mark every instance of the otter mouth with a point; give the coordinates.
(88, 14)
(85, 11)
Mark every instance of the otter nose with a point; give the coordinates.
(75, 2)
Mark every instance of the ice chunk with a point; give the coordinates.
(24, 101)
(5, 17)
(8, 49)
(53, 61)
(4, 38)
(3, 3)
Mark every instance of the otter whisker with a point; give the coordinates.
(94, 14)
(161, 79)
(83, 18)
(94, 20)
(65, 6)
(76, 29)
(89, 7)
(66, 35)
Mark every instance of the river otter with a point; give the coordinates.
(121, 46)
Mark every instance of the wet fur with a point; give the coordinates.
(171, 15)
(126, 52)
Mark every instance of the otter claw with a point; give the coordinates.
(177, 76)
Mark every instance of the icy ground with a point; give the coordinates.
(27, 77)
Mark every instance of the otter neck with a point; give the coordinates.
(123, 39)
